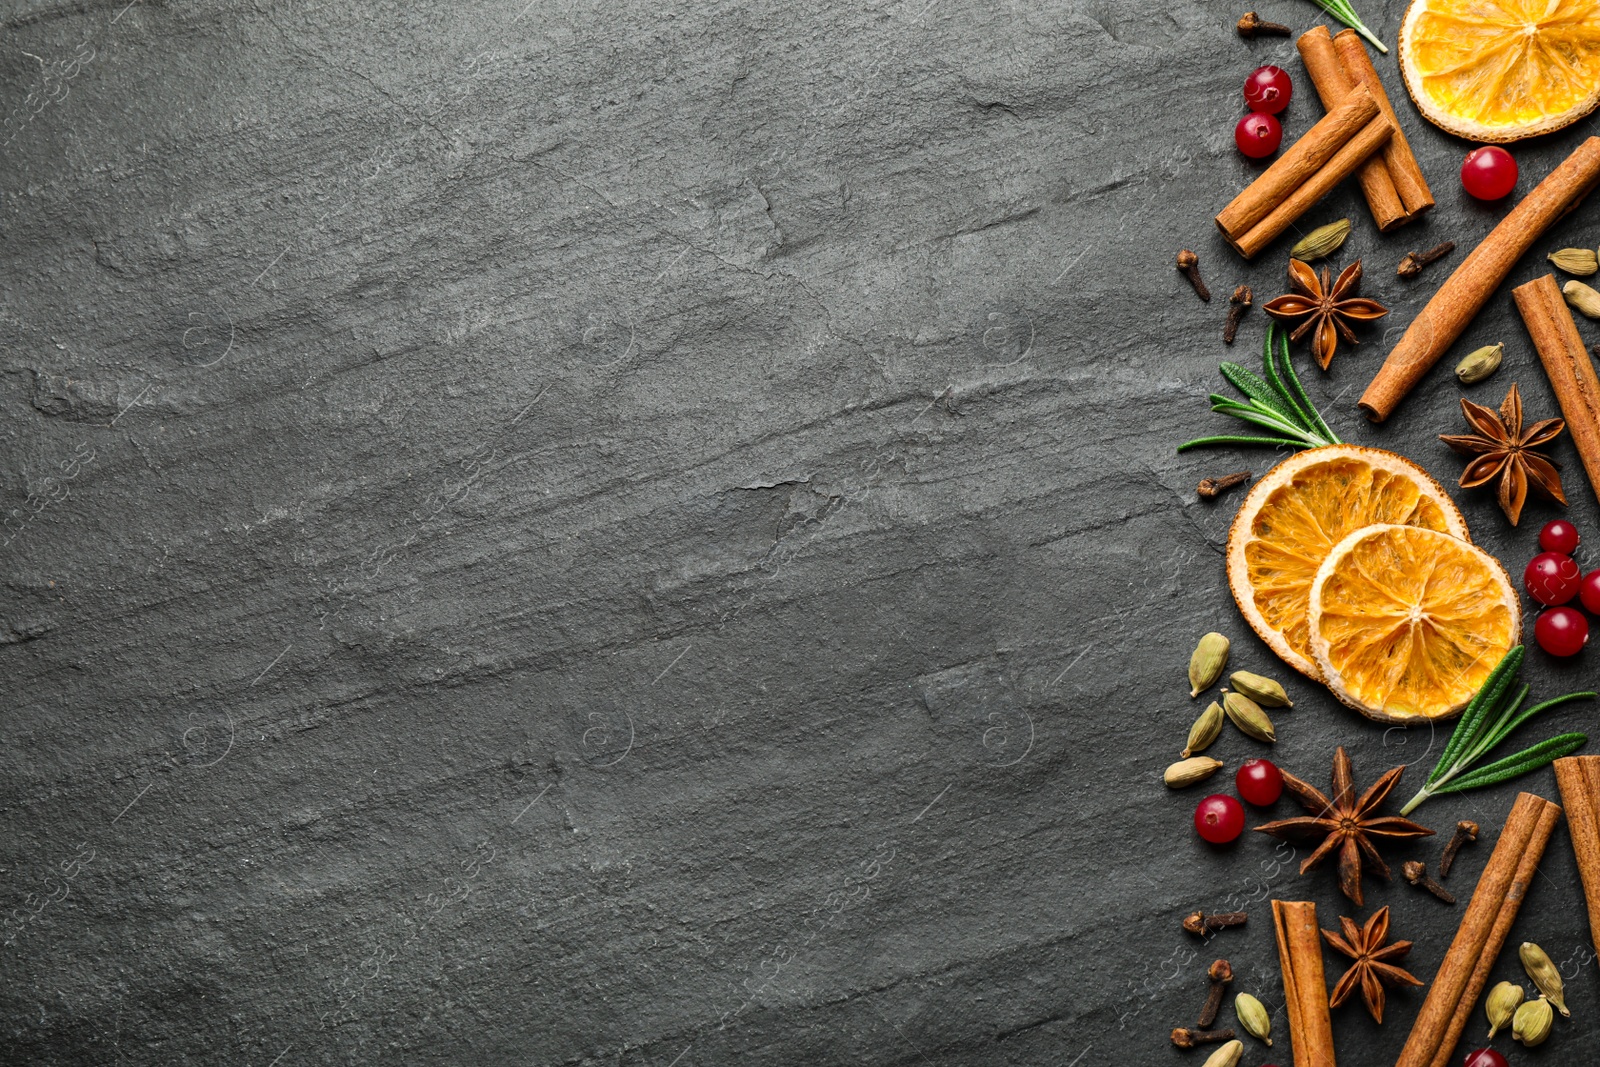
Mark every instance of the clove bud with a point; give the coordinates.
(1189, 264)
(1253, 25)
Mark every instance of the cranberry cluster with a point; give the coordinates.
(1553, 578)
(1267, 92)
(1220, 819)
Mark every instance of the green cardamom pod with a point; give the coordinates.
(1582, 298)
(1248, 716)
(1502, 1003)
(1205, 666)
(1480, 364)
(1253, 1017)
(1575, 260)
(1261, 689)
(1322, 241)
(1226, 1055)
(1187, 772)
(1206, 729)
(1532, 1022)
(1544, 974)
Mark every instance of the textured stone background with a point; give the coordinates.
(649, 534)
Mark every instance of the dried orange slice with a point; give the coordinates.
(1299, 510)
(1407, 623)
(1502, 70)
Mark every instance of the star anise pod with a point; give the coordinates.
(1345, 823)
(1327, 307)
(1375, 962)
(1505, 451)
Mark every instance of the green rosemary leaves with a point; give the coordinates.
(1277, 403)
(1490, 718)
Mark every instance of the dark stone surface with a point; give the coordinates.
(643, 534)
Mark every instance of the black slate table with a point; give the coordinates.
(650, 534)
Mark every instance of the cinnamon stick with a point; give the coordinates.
(1459, 299)
(1482, 933)
(1566, 364)
(1305, 990)
(1334, 82)
(1398, 158)
(1579, 780)
(1328, 153)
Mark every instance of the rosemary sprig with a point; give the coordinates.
(1491, 716)
(1277, 403)
(1341, 10)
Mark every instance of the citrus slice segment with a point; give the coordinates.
(1407, 623)
(1299, 510)
(1502, 70)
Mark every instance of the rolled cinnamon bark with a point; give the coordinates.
(1305, 990)
(1334, 82)
(1566, 364)
(1327, 153)
(1398, 158)
(1527, 869)
(1459, 299)
(1579, 780)
(1482, 932)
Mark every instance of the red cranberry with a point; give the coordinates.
(1219, 819)
(1484, 1057)
(1561, 631)
(1552, 578)
(1589, 591)
(1559, 535)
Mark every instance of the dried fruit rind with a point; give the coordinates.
(1298, 510)
(1501, 70)
(1406, 623)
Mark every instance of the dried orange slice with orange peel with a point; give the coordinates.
(1407, 623)
(1502, 70)
(1295, 514)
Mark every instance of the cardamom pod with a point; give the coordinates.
(1187, 772)
(1226, 1055)
(1578, 261)
(1531, 1024)
(1582, 298)
(1206, 729)
(1205, 665)
(1261, 689)
(1544, 974)
(1575, 260)
(1253, 1017)
(1502, 1003)
(1248, 716)
(1480, 364)
(1323, 241)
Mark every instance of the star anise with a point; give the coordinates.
(1328, 308)
(1505, 451)
(1345, 823)
(1374, 965)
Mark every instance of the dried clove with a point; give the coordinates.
(1220, 973)
(1416, 872)
(1466, 830)
(1211, 488)
(1238, 304)
(1253, 25)
(1198, 922)
(1184, 1037)
(1189, 264)
(1412, 264)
